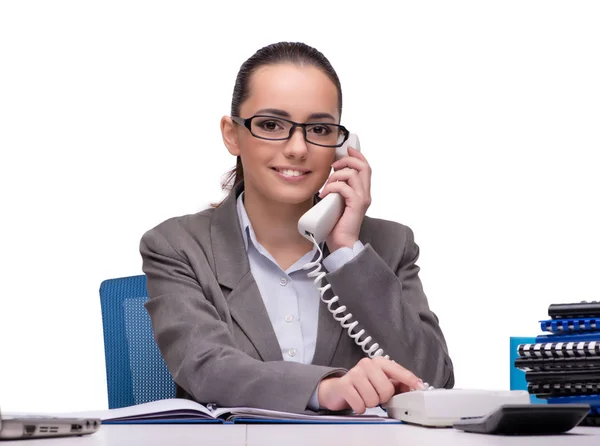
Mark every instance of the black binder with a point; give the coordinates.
(574, 310)
(571, 347)
(561, 363)
(564, 376)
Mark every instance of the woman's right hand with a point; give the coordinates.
(368, 384)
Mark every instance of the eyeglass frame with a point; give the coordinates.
(247, 122)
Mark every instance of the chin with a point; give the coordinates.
(288, 195)
(291, 197)
(280, 192)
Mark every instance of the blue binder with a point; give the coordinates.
(564, 326)
(569, 337)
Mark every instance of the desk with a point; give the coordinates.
(394, 434)
(304, 435)
(150, 435)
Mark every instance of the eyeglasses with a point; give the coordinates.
(273, 128)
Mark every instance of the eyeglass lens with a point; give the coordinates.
(273, 128)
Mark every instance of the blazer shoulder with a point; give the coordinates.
(178, 230)
(390, 239)
(381, 228)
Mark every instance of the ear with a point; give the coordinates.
(230, 136)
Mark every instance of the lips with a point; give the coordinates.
(291, 172)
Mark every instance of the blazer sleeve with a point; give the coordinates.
(198, 346)
(390, 305)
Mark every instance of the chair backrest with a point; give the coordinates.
(135, 370)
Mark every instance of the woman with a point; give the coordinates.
(235, 316)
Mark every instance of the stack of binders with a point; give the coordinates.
(563, 365)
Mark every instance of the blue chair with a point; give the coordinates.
(135, 370)
(517, 377)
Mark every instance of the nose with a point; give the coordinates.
(296, 147)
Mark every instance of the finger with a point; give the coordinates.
(341, 187)
(354, 197)
(399, 387)
(403, 376)
(353, 163)
(384, 387)
(351, 177)
(355, 153)
(363, 385)
(353, 398)
(363, 168)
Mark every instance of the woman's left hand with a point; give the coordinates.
(352, 180)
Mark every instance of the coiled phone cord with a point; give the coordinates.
(372, 351)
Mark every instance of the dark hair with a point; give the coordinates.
(293, 52)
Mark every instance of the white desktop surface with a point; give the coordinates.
(350, 435)
(304, 435)
(149, 435)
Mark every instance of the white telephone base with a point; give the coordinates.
(442, 407)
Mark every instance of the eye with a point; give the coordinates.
(270, 125)
(321, 129)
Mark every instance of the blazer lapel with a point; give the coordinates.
(232, 270)
(248, 309)
(329, 330)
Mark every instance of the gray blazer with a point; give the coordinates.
(215, 335)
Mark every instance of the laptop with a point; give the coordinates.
(22, 426)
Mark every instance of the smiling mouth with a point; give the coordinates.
(290, 172)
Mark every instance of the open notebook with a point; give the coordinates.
(176, 410)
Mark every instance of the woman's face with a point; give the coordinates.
(271, 168)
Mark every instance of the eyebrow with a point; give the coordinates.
(284, 114)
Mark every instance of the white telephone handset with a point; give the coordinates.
(315, 225)
(320, 220)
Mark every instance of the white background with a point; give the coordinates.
(480, 119)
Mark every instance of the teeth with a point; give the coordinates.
(290, 173)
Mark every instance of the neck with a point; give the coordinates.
(276, 224)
